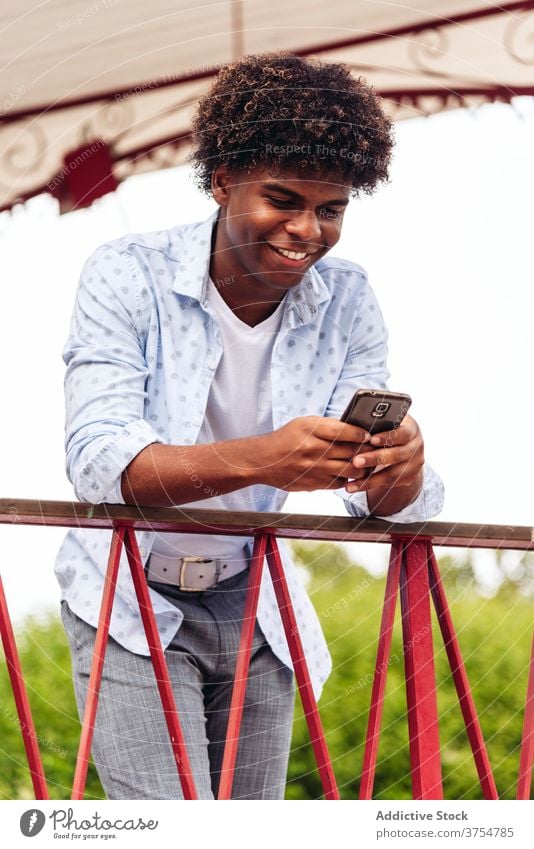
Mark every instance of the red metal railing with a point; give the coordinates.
(413, 569)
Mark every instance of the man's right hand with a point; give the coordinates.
(312, 452)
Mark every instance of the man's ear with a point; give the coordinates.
(220, 180)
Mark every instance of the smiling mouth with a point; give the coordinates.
(298, 257)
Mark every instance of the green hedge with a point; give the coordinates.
(495, 636)
(45, 660)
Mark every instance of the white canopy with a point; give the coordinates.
(107, 87)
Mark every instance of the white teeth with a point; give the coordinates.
(291, 254)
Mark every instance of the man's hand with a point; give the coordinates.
(397, 468)
(312, 452)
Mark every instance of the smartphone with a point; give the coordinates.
(377, 410)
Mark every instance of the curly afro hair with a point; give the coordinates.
(282, 112)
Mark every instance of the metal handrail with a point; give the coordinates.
(413, 572)
(76, 514)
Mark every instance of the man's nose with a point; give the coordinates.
(305, 225)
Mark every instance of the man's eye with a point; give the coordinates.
(329, 213)
(286, 204)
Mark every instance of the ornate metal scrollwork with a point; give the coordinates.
(427, 47)
(518, 37)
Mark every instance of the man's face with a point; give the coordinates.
(272, 229)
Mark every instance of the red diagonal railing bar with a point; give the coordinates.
(22, 703)
(420, 678)
(77, 514)
(302, 675)
(461, 682)
(97, 665)
(526, 759)
(160, 666)
(242, 667)
(380, 676)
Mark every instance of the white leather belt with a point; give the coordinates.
(194, 573)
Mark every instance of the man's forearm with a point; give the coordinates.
(167, 475)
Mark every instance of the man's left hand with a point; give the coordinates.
(396, 464)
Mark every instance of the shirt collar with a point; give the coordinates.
(192, 276)
(194, 259)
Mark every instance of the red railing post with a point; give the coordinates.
(160, 667)
(242, 667)
(420, 677)
(459, 674)
(22, 703)
(380, 675)
(526, 759)
(414, 563)
(127, 535)
(97, 665)
(300, 666)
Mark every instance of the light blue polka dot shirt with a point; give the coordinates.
(141, 355)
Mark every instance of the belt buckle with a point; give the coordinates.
(195, 558)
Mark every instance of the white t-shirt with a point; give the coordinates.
(239, 404)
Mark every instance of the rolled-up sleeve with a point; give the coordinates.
(105, 381)
(365, 367)
(428, 503)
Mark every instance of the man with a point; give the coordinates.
(209, 364)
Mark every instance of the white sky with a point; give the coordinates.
(448, 249)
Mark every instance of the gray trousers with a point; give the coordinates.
(131, 748)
